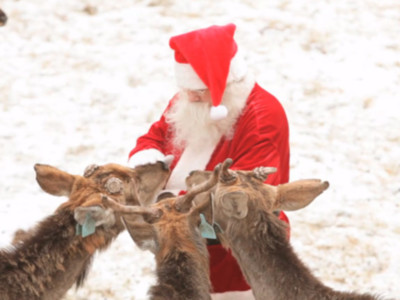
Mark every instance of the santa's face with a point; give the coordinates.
(202, 95)
(190, 115)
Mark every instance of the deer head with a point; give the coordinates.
(237, 192)
(85, 192)
(153, 228)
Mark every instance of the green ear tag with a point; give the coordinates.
(89, 227)
(207, 231)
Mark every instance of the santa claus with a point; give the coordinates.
(219, 112)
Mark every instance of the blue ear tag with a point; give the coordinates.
(88, 227)
(207, 231)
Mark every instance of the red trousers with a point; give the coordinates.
(225, 273)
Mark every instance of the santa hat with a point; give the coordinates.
(207, 58)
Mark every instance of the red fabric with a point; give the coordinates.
(261, 138)
(225, 273)
(209, 51)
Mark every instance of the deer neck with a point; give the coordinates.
(54, 253)
(270, 264)
(182, 274)
(266, 258)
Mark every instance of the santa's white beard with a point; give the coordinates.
(192, 123)
(197, 134)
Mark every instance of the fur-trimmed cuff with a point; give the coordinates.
(146, 156)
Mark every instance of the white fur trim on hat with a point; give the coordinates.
(187, 78)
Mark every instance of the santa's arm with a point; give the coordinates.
(150, 147)
(153, 139)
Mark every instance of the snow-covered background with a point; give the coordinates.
(81, 80)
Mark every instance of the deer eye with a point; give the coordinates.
(114, 185)
(90, 170)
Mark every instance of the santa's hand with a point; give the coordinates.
(149, 156)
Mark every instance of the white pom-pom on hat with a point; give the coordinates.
(218, 112)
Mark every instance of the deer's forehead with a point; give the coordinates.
(246, 180)
(172, 222)
(197, 177)
(117, 168)
(89, 191)
(241, 183)
(155, 168)
(252, 188)
(165, 204)
(103, 174)
(169, 213)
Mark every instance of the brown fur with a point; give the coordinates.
(3, 18)
(181, 254)
(169, 228)
(42, 263)
(273, 270)
(243, 208)
(182, 257)
(48, 259)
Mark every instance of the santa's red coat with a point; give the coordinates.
(261, 138)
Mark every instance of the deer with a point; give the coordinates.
(169, 228)
(3, 18)
(48, 259)
(242, 208)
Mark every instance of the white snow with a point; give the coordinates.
(81, 80)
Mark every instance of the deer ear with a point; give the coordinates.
(234, 204)
(298, 194)
(53, 180)
(138, 221)
(197, 177)
(204, 206)
(100, 215)
(90, 217)
(142, 233)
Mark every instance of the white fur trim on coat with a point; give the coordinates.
(146, 156)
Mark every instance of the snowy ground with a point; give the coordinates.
(81, 80)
